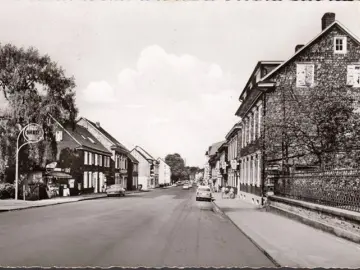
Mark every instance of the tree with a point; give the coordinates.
(177, 165)
(33, 86)
(313, 125)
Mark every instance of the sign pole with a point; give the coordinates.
(33, 133)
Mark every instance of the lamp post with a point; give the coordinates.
(32, 133)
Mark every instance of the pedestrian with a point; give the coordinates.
(227, 191)
(232, 193)
(222, 192)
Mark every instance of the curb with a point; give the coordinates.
(338, 232)
(218, 210)
(45, 205)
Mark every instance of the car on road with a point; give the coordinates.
(185, 186)
(174, 185)
(115, 190)
(203, 193)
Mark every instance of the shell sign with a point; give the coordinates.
(33, 133)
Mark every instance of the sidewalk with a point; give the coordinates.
(11, 205)
(289, 242)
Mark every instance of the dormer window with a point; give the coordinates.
(58, 135)
(340, 45)
(91, 140)
(83, 137)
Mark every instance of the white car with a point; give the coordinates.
(115, 190)
(203, 193)
(185, 186)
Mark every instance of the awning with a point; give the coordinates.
(59, 175)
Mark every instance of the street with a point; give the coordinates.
(164, 227)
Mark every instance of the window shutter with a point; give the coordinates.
(357, 76)
(85, 157)
(300, 75)
(350, 75)
(309, 75)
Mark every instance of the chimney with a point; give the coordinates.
(298, 47)
(97, 124)
(327, 19)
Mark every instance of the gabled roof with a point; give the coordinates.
(214, 148)
(232, 130)
(107, 134)
(144, 153)
(258, 65)
(83, 137)
(335, 23)
(162, 161)
(132, 158)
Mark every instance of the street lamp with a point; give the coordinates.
(32, 133)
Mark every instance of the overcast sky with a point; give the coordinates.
(165, 75)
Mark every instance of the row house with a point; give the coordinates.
(223, 163)
(213, 168)
(249, 144)
(133, 172)
(164, 173)
(146, 168)
(119, 152)
(82, 163)
(232, 153)
(331, 59)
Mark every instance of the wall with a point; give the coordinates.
(143, 170)
(330, 70)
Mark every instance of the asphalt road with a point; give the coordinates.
(164, 227)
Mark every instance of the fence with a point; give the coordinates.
(336, 188)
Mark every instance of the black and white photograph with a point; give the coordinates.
(180, 134)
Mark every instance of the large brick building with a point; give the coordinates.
(82, 156)
(331, 59)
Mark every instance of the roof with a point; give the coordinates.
(335, 23)
(145, 154)
(255, 70)
(132, 158)
(107, 134)
(80, 132)
(232, 130)
(215, 147)
(163, 161)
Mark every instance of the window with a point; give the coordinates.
(91, 140)
(259, 118)
(96, 159)
(340, 45)
(305, 75)
(255, 123)
(86, 157)
(85, 180)
(90, 180)
(58, 135)
(353, 75)
(100, 160)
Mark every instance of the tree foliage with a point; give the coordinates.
(177, 165)
(33, 86)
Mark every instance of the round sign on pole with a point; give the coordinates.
(33, 133)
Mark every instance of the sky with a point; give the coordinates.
(165, 75)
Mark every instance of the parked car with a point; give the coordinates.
(115, 190)
(203, 193)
